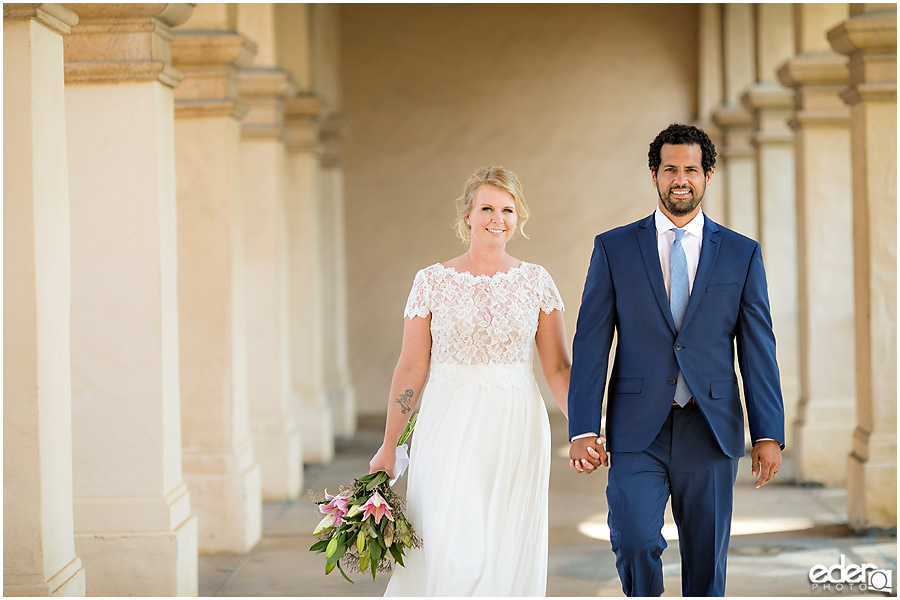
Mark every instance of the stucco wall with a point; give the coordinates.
(569, 97)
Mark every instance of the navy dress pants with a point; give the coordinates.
(686, 462)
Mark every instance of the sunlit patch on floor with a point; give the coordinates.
(596, 527)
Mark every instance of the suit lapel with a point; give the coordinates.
(646, 234)
(709, 251)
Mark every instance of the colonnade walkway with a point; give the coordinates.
(779, 532)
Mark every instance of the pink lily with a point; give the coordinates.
(378, 507)
(336, 509)
(338, 505)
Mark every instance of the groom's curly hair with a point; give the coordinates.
(678, 134)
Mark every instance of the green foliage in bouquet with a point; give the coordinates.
(364, 526)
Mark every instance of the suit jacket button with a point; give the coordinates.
(678, 346)
(672, 381)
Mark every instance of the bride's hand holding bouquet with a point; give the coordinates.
(384, 460)
(364, 525)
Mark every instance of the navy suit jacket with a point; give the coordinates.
(625, 294)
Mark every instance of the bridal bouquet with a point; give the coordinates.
(364, 526)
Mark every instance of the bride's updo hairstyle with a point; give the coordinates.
(498, 177)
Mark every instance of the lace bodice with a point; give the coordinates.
(481, 320)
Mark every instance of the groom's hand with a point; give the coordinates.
(765, 460)
(587, 454)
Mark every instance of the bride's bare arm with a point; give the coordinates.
(406, 386)
(555, 361)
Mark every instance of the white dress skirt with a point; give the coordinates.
(480, 461)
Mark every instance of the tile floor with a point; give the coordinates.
(779, 532)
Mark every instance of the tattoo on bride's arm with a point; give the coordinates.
(403, 400)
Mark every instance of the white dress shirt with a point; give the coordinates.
(691, 242)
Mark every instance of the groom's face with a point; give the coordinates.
(680, 180)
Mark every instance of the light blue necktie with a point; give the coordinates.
(679, 294)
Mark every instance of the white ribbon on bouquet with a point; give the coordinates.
(401, 462)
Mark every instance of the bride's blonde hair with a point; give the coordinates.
(499, 177)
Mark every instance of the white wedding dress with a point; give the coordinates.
(480, 460)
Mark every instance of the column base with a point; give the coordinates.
(279, 454)
(138, 546)
(825, 433)
(69, 581)
(872, 491)
(153, 563)
(226, 496)
(316, 421)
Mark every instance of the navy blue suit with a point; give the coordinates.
(655, 449)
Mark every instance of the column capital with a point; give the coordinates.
(332, 130)
(870, 92)
(260, 83)
(767, 95)
(771, 105)
(302, 115)
(870, 40)
(730, 115)
(123, 42)
(305, 106)
(736, 126)
(168, 14)
(870, 32)
(817, 78)
(265, 90)
(211, 49)
(814, 69)
(55, 17)
(211, 62)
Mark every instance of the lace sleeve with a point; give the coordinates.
(549, 295)
(419, 302)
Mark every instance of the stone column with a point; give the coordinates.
(314, 412)
(38, 544)
(772, 106)
(265, 88)
(869, 38)
(825, 414)
(339, 386)
(736, 122)
(134, 529)
(219, 467)
(709, 98)
(324, 72)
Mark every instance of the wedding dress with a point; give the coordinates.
(480, 460)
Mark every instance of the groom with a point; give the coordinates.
(679, 291)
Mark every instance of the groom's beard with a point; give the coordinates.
(680, 208)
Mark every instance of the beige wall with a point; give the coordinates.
(569, 97)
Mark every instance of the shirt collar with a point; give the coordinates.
(694, 227)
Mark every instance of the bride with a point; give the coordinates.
(480, 461)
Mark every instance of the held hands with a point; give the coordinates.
(587, 454)
(765, 460)
(384, 460)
